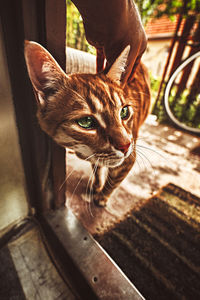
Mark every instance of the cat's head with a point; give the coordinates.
(88, 113)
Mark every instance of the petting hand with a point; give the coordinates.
(110, 26)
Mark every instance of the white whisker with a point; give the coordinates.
(76, 187)
(109, 180)
(91, 175)
(135, 162)
(86, 159)
(152, 150)
(91, 183)
(144, 156)
(142, 161)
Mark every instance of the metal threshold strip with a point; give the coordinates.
(104, 278)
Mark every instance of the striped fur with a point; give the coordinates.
(62, 100)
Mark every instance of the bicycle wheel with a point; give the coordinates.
(182, 110)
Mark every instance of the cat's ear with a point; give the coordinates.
(44, 72)
(119, 66)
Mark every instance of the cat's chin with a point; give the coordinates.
(111, 163)
(115, 164)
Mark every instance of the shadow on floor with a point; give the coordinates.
(163, 156)
(157, 247)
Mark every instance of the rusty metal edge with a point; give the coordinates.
(101, 273)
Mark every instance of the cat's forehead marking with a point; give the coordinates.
(97, 103)
(117, 99)
(106, 88)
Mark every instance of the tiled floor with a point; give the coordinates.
(163, 156)
(27, 272)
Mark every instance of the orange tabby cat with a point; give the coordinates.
(91, 113)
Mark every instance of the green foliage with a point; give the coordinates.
(75, 30)
(185, 107)
(148, 8)
(158, 8)
(157, 107)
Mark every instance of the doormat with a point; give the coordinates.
(158, 246)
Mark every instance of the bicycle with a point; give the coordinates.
(183, 109)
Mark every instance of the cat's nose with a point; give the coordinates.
(123, 147)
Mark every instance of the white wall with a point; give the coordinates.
(156, 55)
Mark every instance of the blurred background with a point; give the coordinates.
(172, 28)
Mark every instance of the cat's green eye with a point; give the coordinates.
(86, 122)
(124, 113)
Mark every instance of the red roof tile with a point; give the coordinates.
(161, 27)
